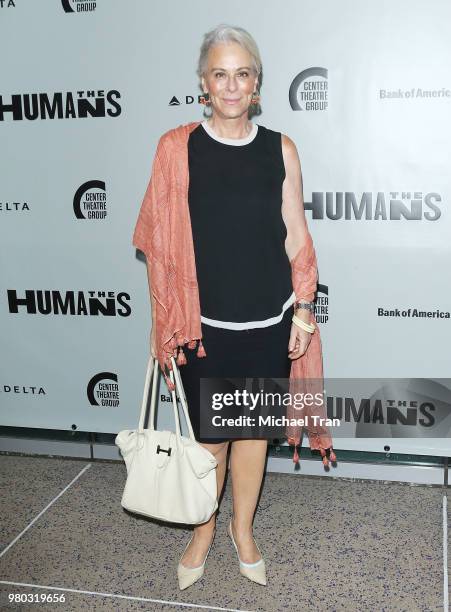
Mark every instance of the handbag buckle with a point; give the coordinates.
(163, 450)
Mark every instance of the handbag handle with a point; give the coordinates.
(153, 373)
(179, 384)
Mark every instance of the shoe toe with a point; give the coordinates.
(188, 576)
(256, 574)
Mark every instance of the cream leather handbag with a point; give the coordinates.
(169, 477)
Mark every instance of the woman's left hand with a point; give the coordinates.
(299, 341)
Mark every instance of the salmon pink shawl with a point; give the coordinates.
(163, 232)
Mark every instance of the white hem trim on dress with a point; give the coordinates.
(232, 141)
(250, 324)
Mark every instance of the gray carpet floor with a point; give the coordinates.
(329, 544)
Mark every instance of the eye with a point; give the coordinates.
(244, 73)
(218, 74)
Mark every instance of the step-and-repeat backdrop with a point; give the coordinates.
(87, 88)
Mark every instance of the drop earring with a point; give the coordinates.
(205, 100)
(255, 98)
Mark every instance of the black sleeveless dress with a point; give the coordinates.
(243, 271)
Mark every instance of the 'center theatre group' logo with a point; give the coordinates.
(103, 389)
(78, 6)
(90, 200)
(309, 90)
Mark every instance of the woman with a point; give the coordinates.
(247, 224)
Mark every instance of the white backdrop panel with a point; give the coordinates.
(361, 144)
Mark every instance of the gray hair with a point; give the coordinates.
(224, 33)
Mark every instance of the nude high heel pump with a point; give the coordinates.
(254, 571)
(189, 575)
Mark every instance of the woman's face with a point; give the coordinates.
(230, 79)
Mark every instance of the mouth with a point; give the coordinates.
(231, 101)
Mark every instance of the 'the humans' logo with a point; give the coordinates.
(309, 90)
(378, 207)
(61, 105)
(101, 393)
(75, 303)
(90, 204)
(401, 408)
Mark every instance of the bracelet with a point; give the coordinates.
(307, 305)
(306, 326)
(300, 323)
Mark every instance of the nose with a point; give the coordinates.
(231, 83)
